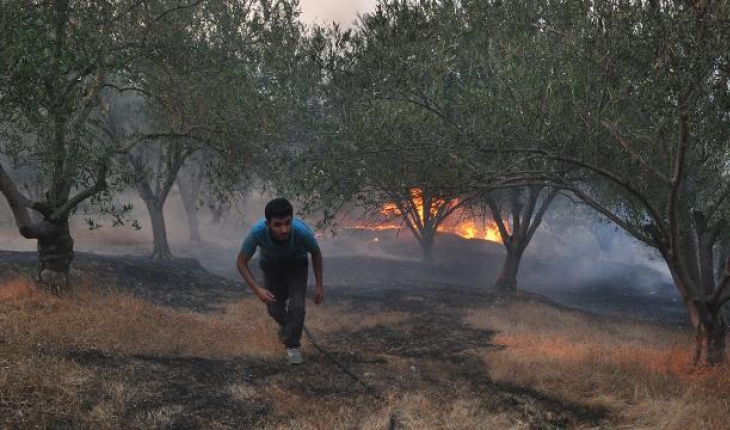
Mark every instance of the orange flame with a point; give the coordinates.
(466, 227)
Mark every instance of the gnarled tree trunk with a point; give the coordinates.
(426, 243)
(716, 333)
(55, 254)
(189, 183)
(161, 246)
(527, 212)
(692, 265)
(156, 197)
(507, 278)
(55, 244)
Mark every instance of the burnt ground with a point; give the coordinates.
(432, 350)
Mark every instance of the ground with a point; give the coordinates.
(401, 328)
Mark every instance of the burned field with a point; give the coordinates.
(147, 345)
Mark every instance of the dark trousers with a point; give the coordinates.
(287, 281)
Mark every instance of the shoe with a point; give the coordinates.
(294, 355)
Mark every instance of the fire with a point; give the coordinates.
(492, 234)
(467, 229)
(458, 223)
(390, 209)
(470, 228)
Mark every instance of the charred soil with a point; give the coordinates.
(429, 350)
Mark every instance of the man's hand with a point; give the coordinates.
(265, 295)
(318, 294)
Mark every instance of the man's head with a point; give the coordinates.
(279, 213)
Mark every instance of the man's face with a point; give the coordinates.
(280, 227)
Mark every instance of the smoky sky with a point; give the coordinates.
(342, 11)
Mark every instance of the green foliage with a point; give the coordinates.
(379, 140)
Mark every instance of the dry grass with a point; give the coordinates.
(412, 411)
(88, 319)
(641, 372)
(337, 318)
(39, 385)
(40, 388)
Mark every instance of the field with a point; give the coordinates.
(143, 345)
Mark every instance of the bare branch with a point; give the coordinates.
(19, 204)
(537, 220)
(563, 185)
(673, 203)
(497, 217)
(625, 185)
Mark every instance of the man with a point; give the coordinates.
(284, 242)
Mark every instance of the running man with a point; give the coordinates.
(284, 242)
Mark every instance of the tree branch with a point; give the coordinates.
(674, 228)
(537, 220)
(99, 186)
(19, 204)
(653, 212)
(521, 182)
(497, 217)
(624, 143)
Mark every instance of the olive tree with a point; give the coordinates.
(642, 127)
(56, 58)
(374, 149)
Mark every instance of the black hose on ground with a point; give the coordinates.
(370, 387)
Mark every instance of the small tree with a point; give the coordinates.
(375, 148)
(525, 209)
(55, 60)
(201, 54)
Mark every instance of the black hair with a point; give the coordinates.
(278, 208)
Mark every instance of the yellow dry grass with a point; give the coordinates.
(88, 319)
(412, 411)
(36, 325)
(643, 373)
(336, 318)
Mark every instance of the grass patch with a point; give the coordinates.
(89, 319)
(41, 387)
(641, 372)
(102, 359)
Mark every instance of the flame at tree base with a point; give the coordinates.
(470, 229)
(459, 221)
(466, 228)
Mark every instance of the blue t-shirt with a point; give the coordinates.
(301, 241)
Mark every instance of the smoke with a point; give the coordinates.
(581, 262)
(595, 250)
(597, 267)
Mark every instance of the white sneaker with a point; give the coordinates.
(294, 355)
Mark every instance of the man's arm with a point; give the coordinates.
(262, 293)
(317, 266)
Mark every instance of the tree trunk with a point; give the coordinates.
(55, 255)
(527, 217)
(426, 241)
(716, 332)
(191, 212)
(507, 279)
(427, 248)
(189, 185)
(216, 211)
(708, 321)
(161, 247)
